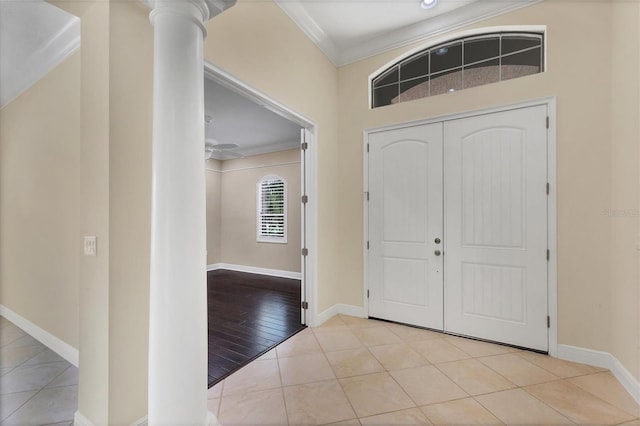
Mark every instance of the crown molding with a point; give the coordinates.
(61, 46)
(272, 147)
(298, 14)
(457, 18)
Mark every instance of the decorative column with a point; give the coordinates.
(178, 300)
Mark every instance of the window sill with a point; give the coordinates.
(272, 241)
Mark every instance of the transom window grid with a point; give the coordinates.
(272, 216)
(441, 68)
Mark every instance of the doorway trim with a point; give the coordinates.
(310, 225)
(552, 269)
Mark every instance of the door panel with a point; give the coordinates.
(496, 227)
(405, 218)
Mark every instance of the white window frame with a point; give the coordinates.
(263, 238)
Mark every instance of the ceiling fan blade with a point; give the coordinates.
(222, 146)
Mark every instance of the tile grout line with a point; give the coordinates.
(541, 401)
(568, 379)
(282, 386)
(519, 354)
(36, 394)
(389, 375)
(37, 391)
(22, 405)
(338, 380)
(284, 399)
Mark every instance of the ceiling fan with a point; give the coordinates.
(218, 151)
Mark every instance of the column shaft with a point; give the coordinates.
(178, 300)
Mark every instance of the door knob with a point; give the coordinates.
(437, 240)
(437, 252)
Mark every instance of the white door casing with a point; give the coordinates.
(305, 137)
(405, 219)
(496, 227)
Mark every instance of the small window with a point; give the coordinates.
(459, 64)
(272, 210)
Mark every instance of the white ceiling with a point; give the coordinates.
(350, 30)
(35, 36)
(238, 120)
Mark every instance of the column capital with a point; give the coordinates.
(207, 8)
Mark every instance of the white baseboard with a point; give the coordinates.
(602, 360)
(215, 266)
(141, 422)
(144, 421)
(340, 308)
(80, 420)
(255, 270)
(60, 347)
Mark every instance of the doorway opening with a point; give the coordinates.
(260, 171)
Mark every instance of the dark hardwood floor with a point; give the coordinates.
(248, 314)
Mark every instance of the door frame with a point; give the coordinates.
(552, 268)
(308, 175)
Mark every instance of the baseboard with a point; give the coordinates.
(340, 308)
(60, 347)
(255, 270)
(141, 422)
(214, 266)
(602, 360)
(80, 420)
(211, 419)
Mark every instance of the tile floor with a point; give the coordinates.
(353, 371)
(37, 387)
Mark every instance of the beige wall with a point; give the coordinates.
(238, 181)
(625, 185)
(93, 382)
(131, 117)
(584, 156)
(115, 183)
(260, 45)
(214, 211)
(39, 202)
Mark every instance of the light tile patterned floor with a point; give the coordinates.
(353, 371)
(37, 387)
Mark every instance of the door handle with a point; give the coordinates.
(437, 252)
(437, 240)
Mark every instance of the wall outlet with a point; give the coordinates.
(90, 246)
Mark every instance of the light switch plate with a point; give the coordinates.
(90, 246)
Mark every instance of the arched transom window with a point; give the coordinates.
(458, 64)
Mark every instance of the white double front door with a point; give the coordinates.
(458, 226)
